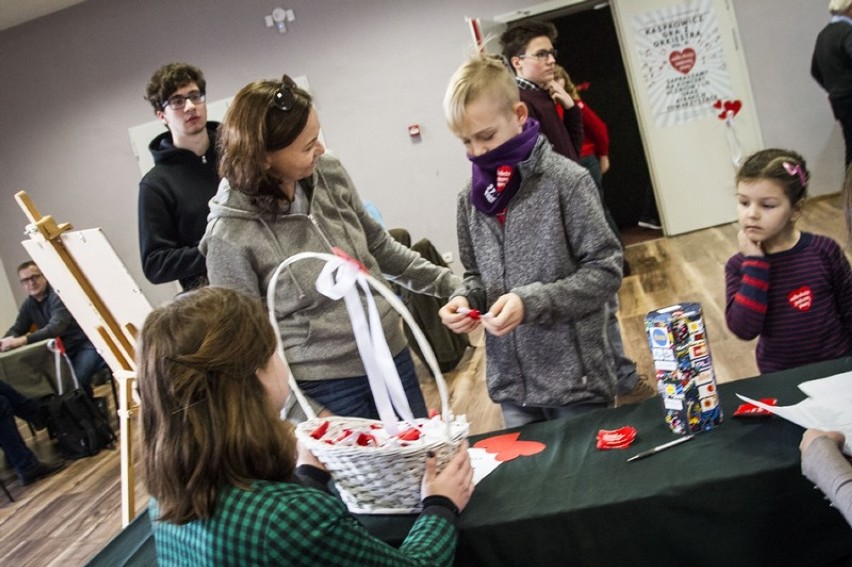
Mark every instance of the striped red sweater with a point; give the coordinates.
(799, 302)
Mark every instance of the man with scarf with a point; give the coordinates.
(540, 261)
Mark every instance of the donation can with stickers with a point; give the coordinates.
(684, 369)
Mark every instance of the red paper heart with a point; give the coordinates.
(507, 446)
(733, 106)
(717, 104)
(801, 298)
(683, 61)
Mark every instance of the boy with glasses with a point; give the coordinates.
(173, 195)
(528, 48)
(45, 311)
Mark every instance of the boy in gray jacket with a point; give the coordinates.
(538, 256)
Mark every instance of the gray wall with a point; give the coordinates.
(778, 38)
(71, 85)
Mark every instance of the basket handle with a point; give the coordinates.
(340, 278)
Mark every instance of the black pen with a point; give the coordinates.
(659, 448)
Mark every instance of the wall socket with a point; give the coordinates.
(447, 257)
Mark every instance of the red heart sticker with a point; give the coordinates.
(801, 298)
(728, 107)
(507, 447)
(683, 61)
(733, 106)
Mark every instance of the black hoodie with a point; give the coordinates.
(173, 210)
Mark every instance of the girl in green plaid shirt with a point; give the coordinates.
(227, 485)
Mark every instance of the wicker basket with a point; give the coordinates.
(384, 479)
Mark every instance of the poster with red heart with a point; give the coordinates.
(682, 61)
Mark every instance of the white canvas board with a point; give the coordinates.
(107, 275)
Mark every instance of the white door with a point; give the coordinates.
(694, 103)
(693, 100)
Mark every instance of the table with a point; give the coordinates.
(30, 369)
(731, 496)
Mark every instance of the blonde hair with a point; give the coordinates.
(481, 75)
(559, 72)
(839, 6)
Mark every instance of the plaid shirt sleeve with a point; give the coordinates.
(283, 523)
(316, 529)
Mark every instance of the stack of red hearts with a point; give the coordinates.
(616, 438)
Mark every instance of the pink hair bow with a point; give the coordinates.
(796, 169)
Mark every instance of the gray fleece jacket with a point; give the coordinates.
(558, 254)
(244, 248)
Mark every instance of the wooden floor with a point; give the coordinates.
(65, 519)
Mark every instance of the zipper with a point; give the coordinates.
(320, 231)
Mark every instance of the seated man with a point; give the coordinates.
(44, 310)
(26, 464)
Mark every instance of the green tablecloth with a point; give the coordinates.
(732, 496)
(30, 369)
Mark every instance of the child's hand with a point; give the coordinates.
(560, 95)
(455, 321)
(455, 481)
(748, 246)
(506, 314)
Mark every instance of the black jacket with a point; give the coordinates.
(831, 65)
(51, 319)
(173, 210)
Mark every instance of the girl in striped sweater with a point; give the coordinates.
(792, 289)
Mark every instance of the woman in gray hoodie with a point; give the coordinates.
(279, 196)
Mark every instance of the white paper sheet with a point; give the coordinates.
(838, 386)
(830, 414)
(482, 462)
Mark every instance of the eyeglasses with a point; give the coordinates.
(542, 55)
(283, 99)
(32, 279)
(177, 102)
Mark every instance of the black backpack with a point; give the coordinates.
(81, 428)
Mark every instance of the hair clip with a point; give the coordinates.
(796, 169)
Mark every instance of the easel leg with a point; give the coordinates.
(125, 417)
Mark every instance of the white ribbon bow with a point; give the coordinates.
(340, 278)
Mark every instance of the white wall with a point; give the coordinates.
(8, 307)
(778, 38)
(72, 84)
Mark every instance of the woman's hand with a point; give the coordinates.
(454, 482)
(455, 321)
(506, 314)
(748, 246)
(811, 434)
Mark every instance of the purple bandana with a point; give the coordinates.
(496, 178)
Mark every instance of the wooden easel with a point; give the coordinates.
(119, 338)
